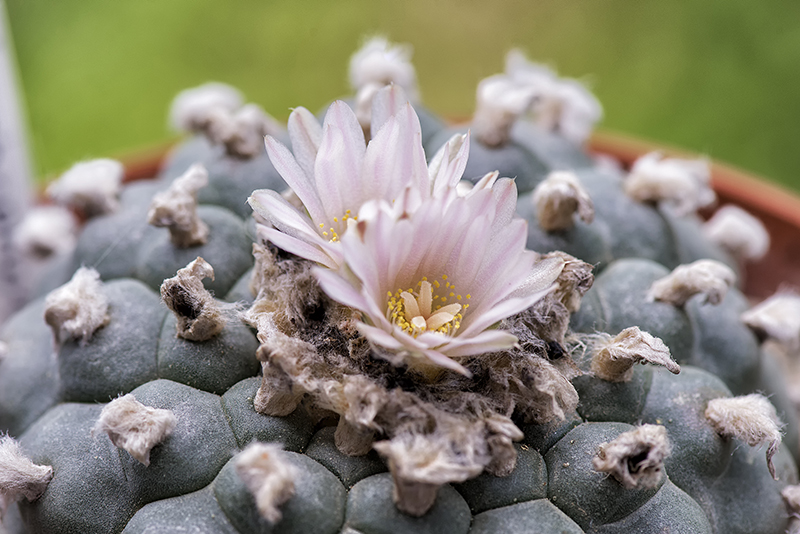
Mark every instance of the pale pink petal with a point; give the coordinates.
(286, 164)
(500, 311)
(386, 103)
(448, 164)
(339, 289)
(298, 247)
(306, 134)
(505, 193)
(379, 337)
(487, 182)
(441, 360)
(285, 217)
(486, 341)
(471, 255)
(394, 158)
(339, 159)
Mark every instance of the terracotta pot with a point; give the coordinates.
(777, 208)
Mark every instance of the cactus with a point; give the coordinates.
(389, 348)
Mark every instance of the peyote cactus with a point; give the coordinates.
(387, 348)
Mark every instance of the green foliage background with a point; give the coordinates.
(716, 76)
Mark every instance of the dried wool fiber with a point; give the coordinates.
(615, 357)
(198, 315)
(635, 458)
(190, 108)
(19, 476)
(500, 102)
(738, 232)
(46, 231)
(683, 185)
(750, 418)
(176, 209)
(561, 105)
(135, 427)
(268, 474)
(558, 198)
(778, 317)
(78, 308)
(707, 277)
(90, 187)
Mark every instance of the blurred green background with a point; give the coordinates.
(716, 76)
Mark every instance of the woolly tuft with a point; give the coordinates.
(19, 476)
(778, 318)
(635, 458)
(377, 64)
(681, 185)
(89, 187)
(135, 427)
(710, 278)
(562, 105)
(176, 209)
(750, 418)
(558, 198)
(46, 231)
(198, 315)
(268, 474)
(738, 232)
(500, 102)
(613, 358)
(191, 108)
(77, 309)
(241, 132)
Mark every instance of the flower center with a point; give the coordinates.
(428, 309)
(338, 227)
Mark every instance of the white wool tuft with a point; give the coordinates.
(778, 317)
(19, 476)
(708, 277)
(381, 62)
(377, 64)
(558, 198)
(750, 418)
(176, 209)
(682, 185)
(198, 315)
(738, 232)
(500, 102)
(562, 105)
(46, 231)
(614, 358)
(241, 132)
(78, 308)
(90, 187)
(635, 458)
(135, 427)
(269, 475)
(190, 108)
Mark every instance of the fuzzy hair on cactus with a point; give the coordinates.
(375, 322)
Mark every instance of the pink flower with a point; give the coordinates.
(334, 172)
(431, 283)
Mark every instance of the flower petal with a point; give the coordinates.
(448, 164)
(487, 341)
(298, 247)
(386, 103)
(339, 159)
(282, 215)
(339, 289)
(285, 163)
(306, 134)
